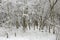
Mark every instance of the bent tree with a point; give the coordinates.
(52, 14)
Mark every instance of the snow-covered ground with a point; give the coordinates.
(28, 35)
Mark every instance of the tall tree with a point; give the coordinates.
(52, 14)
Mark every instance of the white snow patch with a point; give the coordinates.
(28, 35)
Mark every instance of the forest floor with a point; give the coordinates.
(27, 35)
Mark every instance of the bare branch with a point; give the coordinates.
(53, 4)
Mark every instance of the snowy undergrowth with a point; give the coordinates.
(27, 35)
